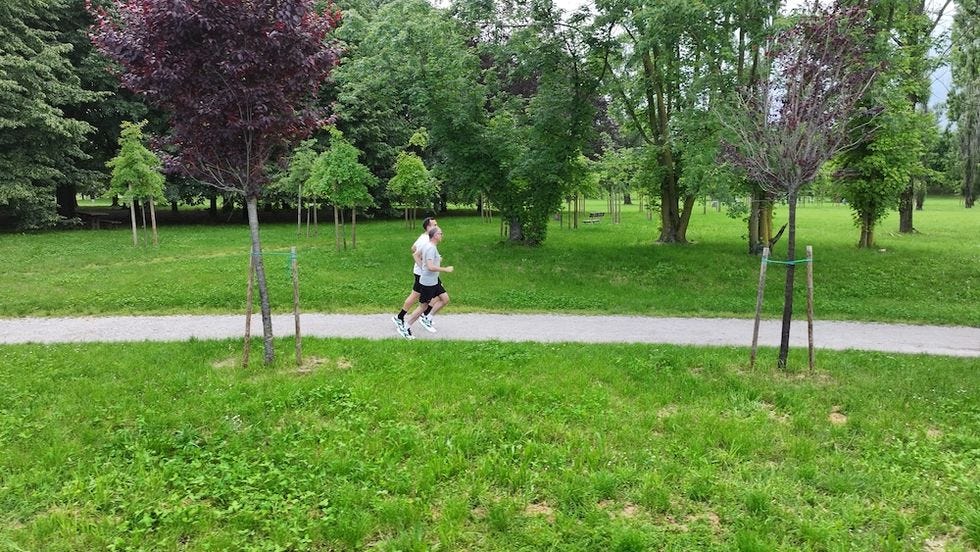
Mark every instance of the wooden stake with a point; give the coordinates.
(299, 337)
(758, 305)
(809, 302)
(248, 308)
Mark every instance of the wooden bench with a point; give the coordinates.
(97, 220)
(594, 218)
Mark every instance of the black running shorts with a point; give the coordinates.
(431, 292)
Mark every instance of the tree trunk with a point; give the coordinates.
(67, 199)
(343, 228)
(905, 204)
(153, 222)
(575, 213)
(253, 227)
(336, 229)
(299, 210)
(132, 217)
(627, 200)
(173, 207)
(760, 221)
(867, 239)
(920, 198)
(515, 232)
(971, 164)
(788, 290)
(353, 227)
(213, 207)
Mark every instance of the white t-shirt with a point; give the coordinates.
(419, 244)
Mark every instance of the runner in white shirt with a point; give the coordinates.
(399, 320)
(433, 296)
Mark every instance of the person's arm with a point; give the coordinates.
(430, 264)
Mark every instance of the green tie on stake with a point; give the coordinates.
(808, 261)
(794, 262)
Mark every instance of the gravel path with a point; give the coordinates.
(898, 338)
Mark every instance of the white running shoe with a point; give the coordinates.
(402, 329)
(426, 321)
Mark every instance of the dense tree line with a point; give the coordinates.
(524, 108)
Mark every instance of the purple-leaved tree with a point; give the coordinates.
(804, 112)
(238, 79)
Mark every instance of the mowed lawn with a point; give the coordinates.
(484, 446)
(929, 277)
(395, 445)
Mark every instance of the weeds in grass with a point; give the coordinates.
(483, 446)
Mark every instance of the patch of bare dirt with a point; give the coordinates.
(226, 363)
(774, 413)
(540, 509)
(667, 411)
(675, 525)
(934, 433)
(629, 511)
(710, 517)
(479, 512)
(836, 417)
(935, 544)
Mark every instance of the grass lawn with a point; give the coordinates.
(930, 277)
(484, 446)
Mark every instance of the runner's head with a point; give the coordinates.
(428, 222)
(435, 234)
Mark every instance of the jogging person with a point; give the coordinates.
(413, 296)
(433, 296)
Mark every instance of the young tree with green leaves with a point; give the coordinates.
(298, 172)
(412, 186)
(874, 173)
(338, 176)
(136, 175)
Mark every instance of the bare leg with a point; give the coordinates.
(441, 301)
(410, 300)
(415, 314)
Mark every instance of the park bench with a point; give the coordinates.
(98, 220)
(594, 218)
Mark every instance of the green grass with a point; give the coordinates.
(483, 446)
(932, 276)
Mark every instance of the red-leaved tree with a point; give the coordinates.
(238, 79)
(792, 122)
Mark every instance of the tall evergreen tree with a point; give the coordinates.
(41, 145)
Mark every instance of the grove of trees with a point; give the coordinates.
(524, 106)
